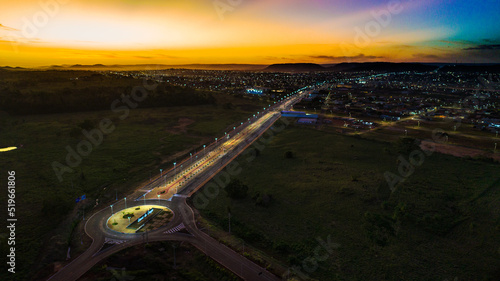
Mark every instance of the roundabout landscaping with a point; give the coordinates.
(139, 219)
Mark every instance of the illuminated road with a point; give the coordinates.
(177, 184)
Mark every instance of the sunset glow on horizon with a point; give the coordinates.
(51, 32)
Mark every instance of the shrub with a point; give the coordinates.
(236, 189)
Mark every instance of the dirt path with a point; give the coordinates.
(458, 151)
(181, 127)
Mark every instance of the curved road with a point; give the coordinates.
(196, 176)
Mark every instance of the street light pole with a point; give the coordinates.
(175, 163)
(111, 209)
(125, 202)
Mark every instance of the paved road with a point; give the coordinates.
(183, 182)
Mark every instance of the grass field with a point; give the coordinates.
(442, 222)
(156, 261)
(140, 145)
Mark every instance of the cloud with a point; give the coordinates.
(455, 42)
(357, 57)
(484, 47)
(426, 56)
(7, 40)
(7, 28)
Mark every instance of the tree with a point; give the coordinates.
(236, 189)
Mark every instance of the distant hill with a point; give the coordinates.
(381, 67)
(295, 67)
(286, 67)
(101, 67)
(11, 68)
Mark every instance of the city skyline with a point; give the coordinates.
(60, 32)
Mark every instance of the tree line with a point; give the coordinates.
(94, 98)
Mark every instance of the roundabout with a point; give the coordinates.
(138, 219)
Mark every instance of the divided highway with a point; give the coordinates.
(171, 189)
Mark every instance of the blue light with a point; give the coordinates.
(145, 215)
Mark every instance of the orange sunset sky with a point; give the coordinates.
(55, 32)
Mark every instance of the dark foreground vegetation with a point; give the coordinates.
(441, 223)
(147, 140)
(42, 92)
(156, 261)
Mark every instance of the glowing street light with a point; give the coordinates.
(175, 174)
(161, 172)
(158, 199)
(111, 209)
(125, 202)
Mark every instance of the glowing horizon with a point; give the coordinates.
(67, 32)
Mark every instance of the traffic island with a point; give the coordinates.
(140, 218)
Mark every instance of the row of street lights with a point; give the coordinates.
(204, 152)
(125, 198)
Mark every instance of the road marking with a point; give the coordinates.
(114, 241)
(175, 229)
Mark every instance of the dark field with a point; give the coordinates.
(442, 222)
(140, 144)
